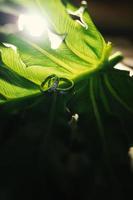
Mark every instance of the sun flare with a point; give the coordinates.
(33, 24)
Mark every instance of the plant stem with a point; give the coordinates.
(115, 59)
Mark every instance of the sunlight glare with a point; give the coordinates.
(33, 24)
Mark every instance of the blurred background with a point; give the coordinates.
(114, 19)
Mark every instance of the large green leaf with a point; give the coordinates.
(82, 52)
(83, 59)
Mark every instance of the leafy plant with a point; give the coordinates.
(69, 87)
(83, 60)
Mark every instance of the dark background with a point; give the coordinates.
(113, 17)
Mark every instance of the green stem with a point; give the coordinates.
(52, 114)
(95, 108)
(103, 97)
(115, 59)
(115, 94)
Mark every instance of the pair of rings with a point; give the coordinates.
(55, 83)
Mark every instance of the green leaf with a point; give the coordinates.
(82, 52)
(82, 59)
(13, 80)
(31, 69)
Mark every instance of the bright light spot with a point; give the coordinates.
(84, 3)
(10, 46)
(130, 154)
(55, 39)
(74, 120)
(76, 117)
(33, 24)
(123, 67)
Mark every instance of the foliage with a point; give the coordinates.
(81, 65)
(45, 90)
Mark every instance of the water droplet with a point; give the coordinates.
(78, 14)
(55, 39)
